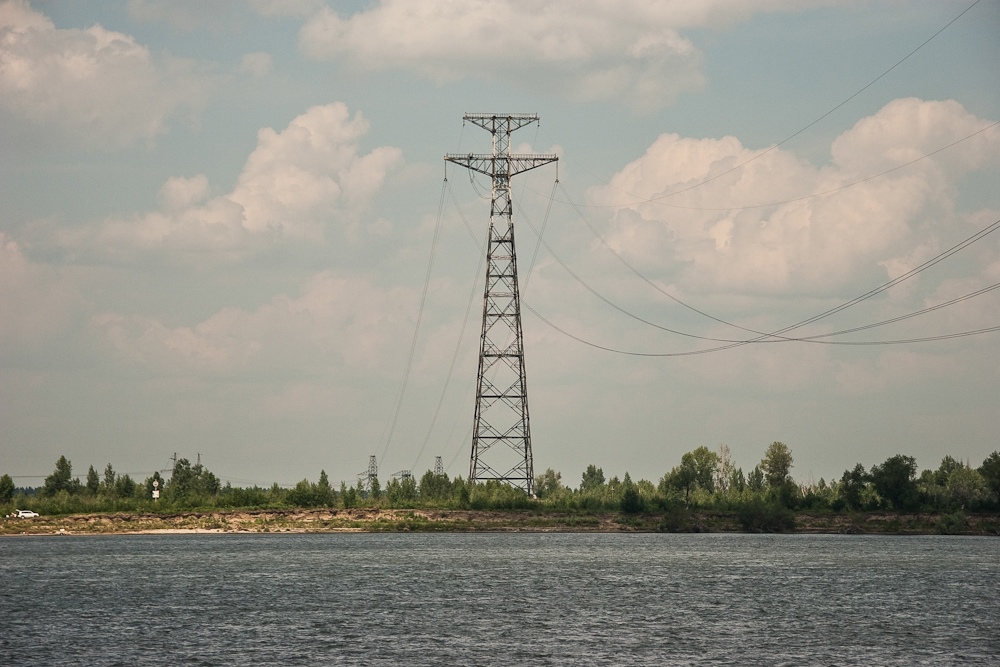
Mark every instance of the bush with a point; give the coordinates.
(631, 502)
(953, 524)
(677, 520)
(758, 517)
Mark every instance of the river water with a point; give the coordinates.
(499, 599)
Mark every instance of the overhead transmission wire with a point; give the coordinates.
(641, 200)
(680, 302)
(771, 335)
(454, 356)
(989, 229)
(577, 207)
(416, 329)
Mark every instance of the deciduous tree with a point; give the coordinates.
(852, 484)
(705, 464)
(895, 481)
(990, 470)
(593, 479)
(725, 469)
(776, 464)
(548, 483)
(6, 488)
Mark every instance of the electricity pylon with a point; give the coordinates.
(367, 476)
(501, 417)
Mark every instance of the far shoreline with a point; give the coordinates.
(378, 520)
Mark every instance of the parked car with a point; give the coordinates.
(24, 514)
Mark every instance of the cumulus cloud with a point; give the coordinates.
(293, 187)
(630, 50)
(816, 244)
(96, 85)
(35, 301)
(335, 322)
(591, 51)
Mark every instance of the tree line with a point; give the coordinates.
(703, 479)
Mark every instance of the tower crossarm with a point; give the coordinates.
(491, 122)
(496, 165)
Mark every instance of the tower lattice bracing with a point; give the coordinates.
(501, 434)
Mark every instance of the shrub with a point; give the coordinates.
(758, 517)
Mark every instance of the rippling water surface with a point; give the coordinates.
(492, 599)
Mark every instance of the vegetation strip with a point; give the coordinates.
(706, 492)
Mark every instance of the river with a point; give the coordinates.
(499, 599)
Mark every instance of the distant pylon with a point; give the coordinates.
(438, 466)
(366, 477)
(501, 416)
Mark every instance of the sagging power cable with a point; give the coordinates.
(777, 336)
(391, 428)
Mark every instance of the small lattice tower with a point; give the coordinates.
(366, 477)
(501, 434)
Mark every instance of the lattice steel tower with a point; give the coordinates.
(501, 436)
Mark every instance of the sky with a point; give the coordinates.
(220, 221)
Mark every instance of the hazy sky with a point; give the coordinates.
(217, 219)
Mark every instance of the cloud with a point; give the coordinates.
(337, 325)
(36, 302)
(771, 266)
(818, 245)
(98, 86)
(591, 50)
(627, 50)
(294, 186)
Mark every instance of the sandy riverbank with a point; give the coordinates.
(422, 520)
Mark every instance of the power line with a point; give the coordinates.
(633, 353)
(760, 335)
(454, 356)
(640, 200)
(646, 280)
(863, 297)
(964, 297)
(416, 328)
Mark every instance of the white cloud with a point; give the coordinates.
(593, 54)
(818, 244)
(179, 193)
(297, 177)
(337, 324)
(99, 86)
(296, 184)
(631, 50)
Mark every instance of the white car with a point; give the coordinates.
(24, 514)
